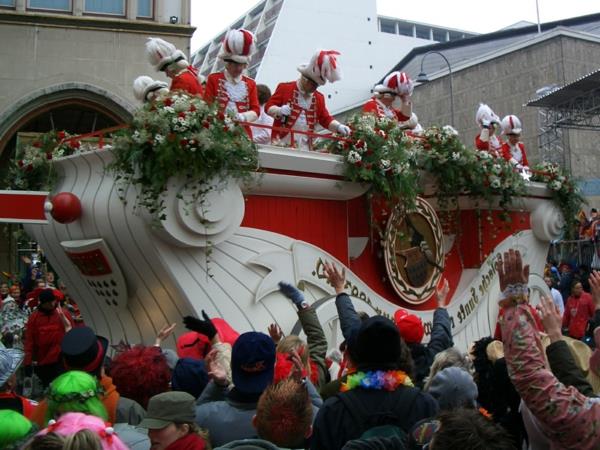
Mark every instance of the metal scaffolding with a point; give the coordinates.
(573, 106)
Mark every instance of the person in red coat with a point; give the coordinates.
(514, 150)
(397, 85)
(488, 122)
(578, 311)
(234, 92)
(166, 58)
(297, 105)
(44, 333)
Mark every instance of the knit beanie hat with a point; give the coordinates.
(453, 388)
(410, 326)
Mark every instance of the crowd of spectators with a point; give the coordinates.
(383, 388)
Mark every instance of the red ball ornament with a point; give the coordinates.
(64, 207)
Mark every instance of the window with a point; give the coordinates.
(387, 26)
(145, 8)
(423, 32)
(59, 5)
(7, 2)
(116, 7)
(439, 35)
(405, 29)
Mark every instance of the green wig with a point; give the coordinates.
(14, 427)
(75, 391)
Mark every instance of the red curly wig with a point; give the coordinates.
(140, 373)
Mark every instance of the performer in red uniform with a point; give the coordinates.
(166, 58)
(397, 85)
(235, 93)
(514, 150)
(489, 122)
(145, 89)
(299, 106)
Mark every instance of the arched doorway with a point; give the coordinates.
(77, 108)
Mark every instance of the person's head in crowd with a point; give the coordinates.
(252, 362)
(189, 376)
(593, 214)
(465, 428)
(283, 365)
(10, 360)
(453, 388)
(377, 345)
(15, 429)
(549, 282)
(49, 441)
(410, 326)
(451, 357)
(284, 414)
(84, 432)
(15, 291)
(40, 284)
(577, 289)
(264, 93)
(50, 278)
(140, 373)
(564, 267)
(171, 417)
(47, 300)
(193, 345)
(4, 291)
(82, 350)
(75, 391)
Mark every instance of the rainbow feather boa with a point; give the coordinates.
(388, 380)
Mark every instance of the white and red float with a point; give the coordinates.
(227, 255)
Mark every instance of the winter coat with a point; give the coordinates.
(44, 333)
(316, 340)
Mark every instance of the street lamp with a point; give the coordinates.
(423, 78)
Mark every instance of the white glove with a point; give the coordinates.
(344, 130)
(240, 117)
(485, 123)
(285, 110)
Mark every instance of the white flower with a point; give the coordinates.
(159, 138)
(353, 157)
(485, 155)
(455, 156)
(385, 164)
(169, 109)
(555, 185)
(449, 130)
(495, 182)
(497, 169)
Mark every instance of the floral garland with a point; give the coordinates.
(74, 396)
(31, 169)
(179, 135)
(388, 380)
(565, 192)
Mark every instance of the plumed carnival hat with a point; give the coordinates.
(410, 326)
(484, 112)
(144, 88)
(322, 67)
(82, 350)
(397, 83)
(238, 46)
(511, 125)
(162, 53)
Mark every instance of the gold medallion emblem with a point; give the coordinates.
(413, 250)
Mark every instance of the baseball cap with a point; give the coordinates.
(410, 326)
(252, 362)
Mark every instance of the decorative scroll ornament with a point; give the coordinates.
(414, 251)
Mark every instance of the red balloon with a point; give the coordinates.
(66, 207)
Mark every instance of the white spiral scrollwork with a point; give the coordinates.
(207, 220)
(547, 221)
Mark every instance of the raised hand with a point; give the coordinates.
(164, 333)
(595, 287)
(335, 277)
(291, 292)
(204, 327)
(276, 333)
(441, 293)
(215, 371)
(513, 277)
(551, 318)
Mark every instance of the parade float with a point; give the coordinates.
(140, 242)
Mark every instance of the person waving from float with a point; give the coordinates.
(391, 99)
(165, 57)
(145, 89)
(299, 106)
(514, 150)
(488, 122)
(234, 92)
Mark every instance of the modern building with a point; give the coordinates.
(289, 31)
(70, 64)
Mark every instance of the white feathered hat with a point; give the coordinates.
(162, 53)
(484, 112)
(396, 82)
(322, 67)
(238, 46)
(511, 125)
(144, 85)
